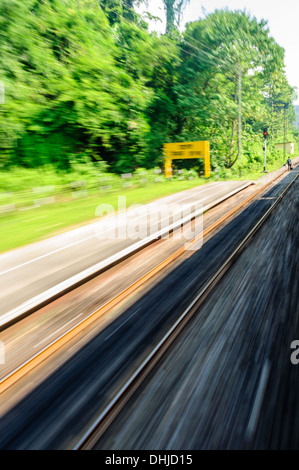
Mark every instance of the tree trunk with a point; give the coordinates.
(170, 15)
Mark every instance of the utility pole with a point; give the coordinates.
(284, 132)
(265, 148)
(240, 120)
(265, 155)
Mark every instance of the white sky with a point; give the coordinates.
(282, 17)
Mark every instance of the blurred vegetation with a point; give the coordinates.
(90, 91)
(36, 218)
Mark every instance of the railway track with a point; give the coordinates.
(124, 345)
(117, 404)
(56, 291)
(61, 340)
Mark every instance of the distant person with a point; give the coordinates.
(289, 163)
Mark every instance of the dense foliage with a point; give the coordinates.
(86, 81)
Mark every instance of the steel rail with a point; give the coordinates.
(36, 359)
(116, 405)
(68, 285)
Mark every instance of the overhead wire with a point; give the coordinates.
(210, 62)
(213, 60)
(210, 59)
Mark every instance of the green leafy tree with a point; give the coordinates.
(85, 80)
(173, 9)
(65, 95)
(215, 51)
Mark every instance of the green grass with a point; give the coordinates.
(249, 174)
(22, 227)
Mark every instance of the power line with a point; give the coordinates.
(212, 57)
(220, 61)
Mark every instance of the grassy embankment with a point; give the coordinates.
(30, 221)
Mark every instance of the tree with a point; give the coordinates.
(215, 51)
(173, 9)
(64, 94)
(86, 79)
(118, 9)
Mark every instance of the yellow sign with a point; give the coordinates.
(184, 150)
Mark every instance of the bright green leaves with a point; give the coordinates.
(85, 78)
(216, 50)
